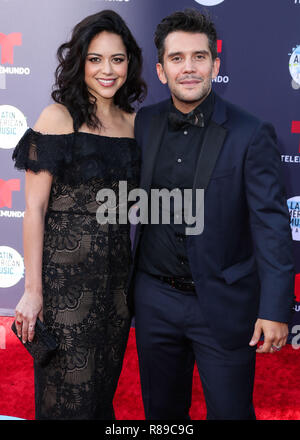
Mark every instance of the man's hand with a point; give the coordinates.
(275, 335)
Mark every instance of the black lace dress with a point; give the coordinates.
(85, 270)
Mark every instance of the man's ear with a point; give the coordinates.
(161, 73)
(216, 68)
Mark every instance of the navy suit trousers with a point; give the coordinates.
(172, 334)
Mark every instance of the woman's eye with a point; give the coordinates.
(118, 60)
(95, 60)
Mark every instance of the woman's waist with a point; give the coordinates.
(71, 211)
(84, 221)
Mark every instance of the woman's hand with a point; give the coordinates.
(29, 308)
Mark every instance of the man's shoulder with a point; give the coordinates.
(238, 114)
(242, 122)
(154, 109)
(145, 114)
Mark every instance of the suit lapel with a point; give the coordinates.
(211, 147)
(157, 129)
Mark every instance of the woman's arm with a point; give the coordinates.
(37, 190)
(54, 119)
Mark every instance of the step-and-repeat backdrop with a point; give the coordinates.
(259, 47)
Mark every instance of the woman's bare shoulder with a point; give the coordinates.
(54, 119)
(130, 118)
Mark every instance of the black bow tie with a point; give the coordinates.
(177, 121)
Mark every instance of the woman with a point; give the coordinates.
(76, 268)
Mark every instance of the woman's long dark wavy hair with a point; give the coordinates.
(70, 88)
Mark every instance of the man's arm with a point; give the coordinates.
(269, 220)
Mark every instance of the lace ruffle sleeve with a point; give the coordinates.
(41, 152)
(76, 158)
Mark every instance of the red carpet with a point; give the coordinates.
(276, 395)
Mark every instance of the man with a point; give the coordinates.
(208, 297)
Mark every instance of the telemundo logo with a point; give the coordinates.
(8, 43)
(221, 79)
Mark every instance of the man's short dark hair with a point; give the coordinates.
(189, 20)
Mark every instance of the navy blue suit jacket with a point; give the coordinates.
(242, 263)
